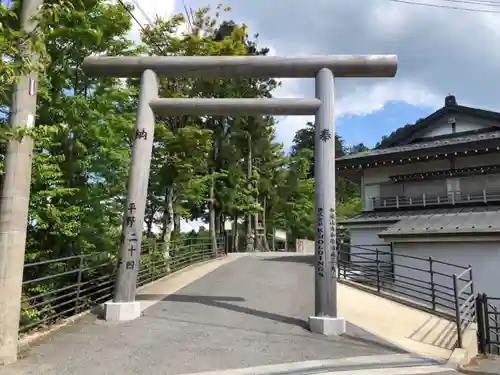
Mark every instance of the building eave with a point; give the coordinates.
(351, 224)
(427, 235)
(438, 239)
(461, 146)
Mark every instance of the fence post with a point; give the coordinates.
(433, 287)
(457, 311)
(393, 270)
(497, 329)
(339, 253)
(486, 321)
(152, 263)
(226, 242)
(471, 280)
(378, 269)
(481, 339)
(79, 283)
(190, 251)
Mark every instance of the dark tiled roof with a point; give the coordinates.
(406, 133)
(424, 145)
(486, 222)
(395, 216)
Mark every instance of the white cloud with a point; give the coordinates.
(189, 225)
(362, 100)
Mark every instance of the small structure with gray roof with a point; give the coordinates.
(432, 189)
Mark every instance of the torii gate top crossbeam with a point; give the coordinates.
(248, 66)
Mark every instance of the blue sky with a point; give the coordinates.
(370, 128)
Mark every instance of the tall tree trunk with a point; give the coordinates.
(248, 234)
(168, 221)
(222, 223)
(236, 242)
(212, 213)
(264, 225)
(273, 238)
(149, 223)
(256, 232)
(218, 222)
(249, 238)
(211, 222)
(177, 225)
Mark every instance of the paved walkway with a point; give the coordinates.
(244, 312)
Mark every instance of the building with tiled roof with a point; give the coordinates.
(433, 190)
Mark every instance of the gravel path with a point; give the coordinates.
(250, 312)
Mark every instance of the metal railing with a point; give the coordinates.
(488, 324)
(431, 200)
(55, 289)
(463, 288)
(427, 283)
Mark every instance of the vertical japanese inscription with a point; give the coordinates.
(131, 239)
(130, 221)
(333, 241)
(320, 242)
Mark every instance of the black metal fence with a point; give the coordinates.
(488, 324)
(55, 289)
(431, 284)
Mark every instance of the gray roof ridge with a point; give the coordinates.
(423, 145)
(394, 216)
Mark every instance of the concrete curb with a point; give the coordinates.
(331, 366)
(462, 356)
(27, 340)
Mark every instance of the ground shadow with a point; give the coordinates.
(305, 259)
(98, 311)
(222, 302)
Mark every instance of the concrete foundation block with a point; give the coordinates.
(122, 311)
(327, 326)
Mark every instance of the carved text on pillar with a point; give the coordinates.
(320, 242)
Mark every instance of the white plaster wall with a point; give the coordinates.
(477, 160)
(484, 257)
(381, 174)
(463, 124)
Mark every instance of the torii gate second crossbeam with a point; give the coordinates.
(322, 68)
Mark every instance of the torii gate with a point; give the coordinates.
(322, 68)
